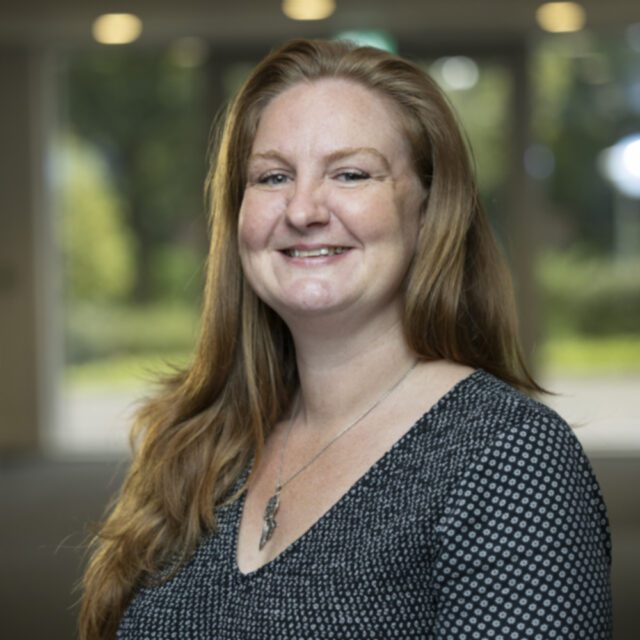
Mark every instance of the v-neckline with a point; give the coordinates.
(353, 489)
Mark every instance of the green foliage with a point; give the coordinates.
(147, 116)
(177, 273)
(587, 296)
(583, 103)
(96, 245)
(589, 356)
(125, 370)
(97, 331)
(484, 111)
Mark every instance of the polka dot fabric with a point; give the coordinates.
(483, 521)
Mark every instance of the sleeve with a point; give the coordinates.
(525, 545)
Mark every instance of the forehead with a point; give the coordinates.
(328, 113)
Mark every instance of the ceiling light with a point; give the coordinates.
(308, 9)
(621, 165)
(117, 28)
(458, 73)
(561, 17)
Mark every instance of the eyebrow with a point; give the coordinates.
(332, 157)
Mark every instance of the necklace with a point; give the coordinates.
(269, 523)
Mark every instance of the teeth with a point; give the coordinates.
(314, 253)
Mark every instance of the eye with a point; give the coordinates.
(273, 179)
(352, 175)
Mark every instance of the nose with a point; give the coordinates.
(307, 205)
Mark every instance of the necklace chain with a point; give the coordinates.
(270, 524)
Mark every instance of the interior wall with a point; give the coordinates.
(21, 179)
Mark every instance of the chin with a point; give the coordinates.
(309, 307)
(311, 297)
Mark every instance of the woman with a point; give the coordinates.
(347, 456)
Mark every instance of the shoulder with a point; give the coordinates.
(524, 518)
(502, 443)
(487, 412)
(522, 454)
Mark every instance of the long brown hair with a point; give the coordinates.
(196, 436)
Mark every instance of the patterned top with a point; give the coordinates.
(483, 521)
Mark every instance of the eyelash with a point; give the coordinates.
(273, 179)
(353, 176)
(344, 176)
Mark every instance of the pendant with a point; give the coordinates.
(269, 519)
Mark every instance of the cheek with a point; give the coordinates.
(369, 216)
(250, 241)
(387, 219)
(253, 226)
(246, 234)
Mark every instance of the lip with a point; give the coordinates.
(333, 251)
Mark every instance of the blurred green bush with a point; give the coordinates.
(177, 274)
(94, 332)
(97, 247)
(582, 355)
(589, 296)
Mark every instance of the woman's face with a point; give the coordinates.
(332, 207)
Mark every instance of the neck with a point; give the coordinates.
(344, 373)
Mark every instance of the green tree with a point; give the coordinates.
(147, 117)
(585, 102)
(97, 246)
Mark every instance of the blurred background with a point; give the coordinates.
(105, 116)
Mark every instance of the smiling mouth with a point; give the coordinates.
(315, 253)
